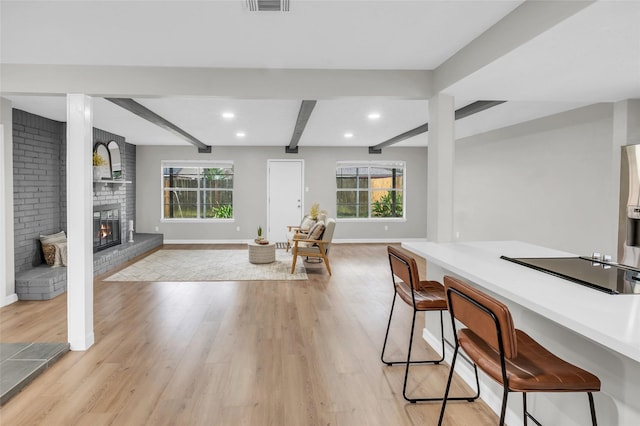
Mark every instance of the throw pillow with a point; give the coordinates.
(306, 224)
(316, 232)
(59, 237)
(49, 251)
(54, 248)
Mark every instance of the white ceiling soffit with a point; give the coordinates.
(593, 56)
(508, 114)
(345, 34)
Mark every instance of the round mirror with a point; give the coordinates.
(116, 162)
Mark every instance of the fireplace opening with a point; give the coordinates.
(106, 226)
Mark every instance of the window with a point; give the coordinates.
(370, 190)
(197, 190)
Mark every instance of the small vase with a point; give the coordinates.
(100, 172)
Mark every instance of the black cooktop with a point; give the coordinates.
(604, 276)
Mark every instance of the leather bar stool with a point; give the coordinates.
(421, 296)
(508, 355)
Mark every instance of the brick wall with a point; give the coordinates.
(129, 167)
(37, 171)
(39, 176)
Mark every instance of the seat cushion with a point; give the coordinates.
(294, 232)
(430, 295)
(533, 369)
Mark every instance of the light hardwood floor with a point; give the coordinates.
(235, 353)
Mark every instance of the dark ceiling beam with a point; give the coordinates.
(472, 108)
(406, 135)
(152, 117)
(475, 107)
(303, 116)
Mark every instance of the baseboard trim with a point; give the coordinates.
(239, 241)
(378, 240)
(335, 241)
(12, 298)
(85, 344)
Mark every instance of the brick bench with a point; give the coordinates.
(43, 282)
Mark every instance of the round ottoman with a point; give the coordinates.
(262, 253)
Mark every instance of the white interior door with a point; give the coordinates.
(285, 197)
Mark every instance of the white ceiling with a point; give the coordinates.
(593, 56)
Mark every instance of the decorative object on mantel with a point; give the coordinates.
(101, 162)
(260, 239)
(116, 161)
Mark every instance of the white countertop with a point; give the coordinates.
(610, 320)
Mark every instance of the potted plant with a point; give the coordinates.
(100, 167)
(260, 239)
(313, 212)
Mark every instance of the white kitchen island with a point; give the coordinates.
(597, 331)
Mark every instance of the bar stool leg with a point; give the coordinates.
(386, 335)
(437, 361)
(446, 389)
(406, 371)
(503, 411)
(592, 407)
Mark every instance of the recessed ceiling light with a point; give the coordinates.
(373, 116)
(348, 135)
(228, 115)
(241, 134)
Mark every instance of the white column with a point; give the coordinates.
(79, 222)
(440, 169)
(7, 269)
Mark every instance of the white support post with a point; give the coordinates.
(79, 222)
(440, 169)
(7, 270)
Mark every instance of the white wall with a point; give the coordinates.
(250, 189)
(546, 182)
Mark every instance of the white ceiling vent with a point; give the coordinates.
(268, 5)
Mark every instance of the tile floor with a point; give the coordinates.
(20, 363)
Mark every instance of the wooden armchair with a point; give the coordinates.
(315, 244)
(304, 228)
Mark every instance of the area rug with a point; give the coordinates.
(209, 265)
